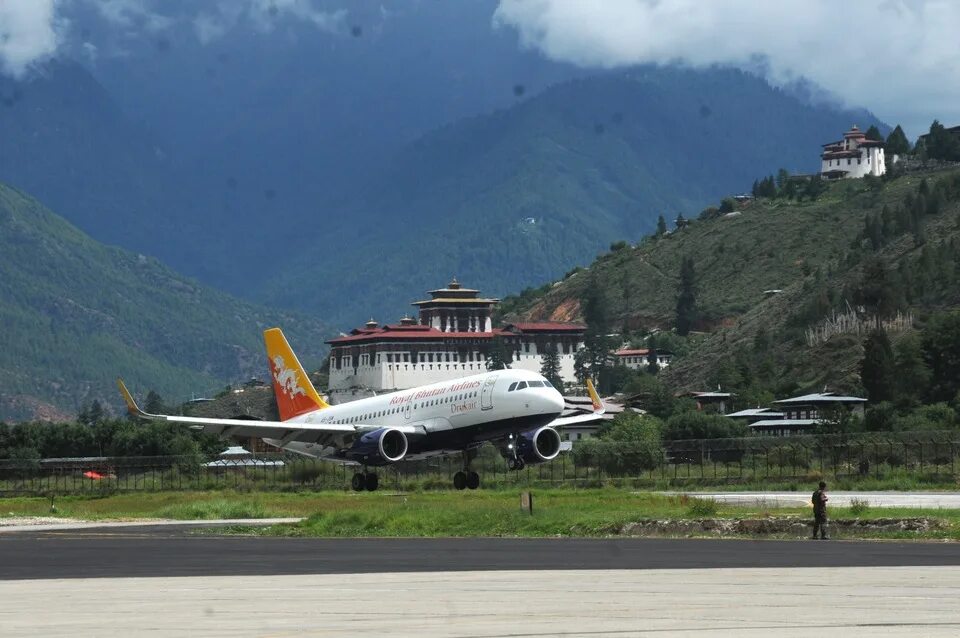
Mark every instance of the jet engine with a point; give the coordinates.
(379, 447)
(538, 446)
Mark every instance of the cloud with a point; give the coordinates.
(33, 30)
(28, 33)
(899, 58)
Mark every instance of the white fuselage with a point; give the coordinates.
(451, 415)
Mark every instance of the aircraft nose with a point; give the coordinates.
(554, 402)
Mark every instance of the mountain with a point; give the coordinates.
(771, 272)
(519, 196)
(76, 314)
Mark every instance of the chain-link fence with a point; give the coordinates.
(926, 455)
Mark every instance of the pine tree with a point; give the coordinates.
(912, 373)
(500, 355)
(581, 365)
(652, 366)
(96, 413)
(154, 403)
(941, 144)
(661, 226)
(873, 133)
(687, 298)
(897, 142)
(550, 368)
(877, 367)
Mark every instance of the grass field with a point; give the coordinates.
(601, 512)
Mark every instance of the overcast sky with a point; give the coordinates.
(898, 58)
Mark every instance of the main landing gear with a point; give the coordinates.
(365, 481)
(467, 479)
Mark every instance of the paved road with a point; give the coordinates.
(924, 500)
(167, 551)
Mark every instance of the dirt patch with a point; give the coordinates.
(774, 526)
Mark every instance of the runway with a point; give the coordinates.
(921, 500)
(166, 581)
(171, 552)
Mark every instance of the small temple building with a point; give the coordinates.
(852, 157)
(452, 337)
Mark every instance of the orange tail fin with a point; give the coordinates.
(291, 385)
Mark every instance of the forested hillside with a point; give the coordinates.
(75, 314)
(516, 197)
(768, 280)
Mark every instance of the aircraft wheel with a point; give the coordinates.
(371, 481)
(511, 463)
(473, 480)
(520, 464)
(459, 480)
(358, 482)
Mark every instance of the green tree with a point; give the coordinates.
(96, 413)
(581, 365)
(940, 340)
(877, 291)
(727, 205)
(687, 313)
(500, 355)
(652, 366)
(942, 144)
(154, 403)
(698, 425)
(550, 368)
(661, 226)
(873, 133)
(877, 367)
(911, 371)
(897, 142)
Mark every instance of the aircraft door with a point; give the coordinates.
(408, 408)
(486, 393)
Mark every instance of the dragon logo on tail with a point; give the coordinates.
(286, 378)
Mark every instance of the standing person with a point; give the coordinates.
(819, 501)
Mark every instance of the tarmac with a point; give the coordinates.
(165, 580)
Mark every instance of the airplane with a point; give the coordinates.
(518, 411)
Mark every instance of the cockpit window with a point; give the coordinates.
(535, 384)
(521, 385)
(547, 384)
(513, 386)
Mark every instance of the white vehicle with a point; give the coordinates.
(516, 410)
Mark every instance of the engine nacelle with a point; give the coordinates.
(379, 447)
(538, 446)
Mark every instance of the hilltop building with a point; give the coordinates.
(452, 338)
(636, 358)
(852, 157)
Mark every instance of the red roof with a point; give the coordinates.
(546, 326)
(626, 352)
(429, 333)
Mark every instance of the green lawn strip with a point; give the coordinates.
(600, 512)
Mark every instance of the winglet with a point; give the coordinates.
(595, 398)
(132, 406)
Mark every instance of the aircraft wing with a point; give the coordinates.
(598, 410)
(285, 430)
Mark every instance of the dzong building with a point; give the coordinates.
(852, 157)
(452, 337)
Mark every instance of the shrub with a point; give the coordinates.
(859, 506)
(702, 507)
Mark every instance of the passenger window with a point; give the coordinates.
(513, 386)
(521, 385)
